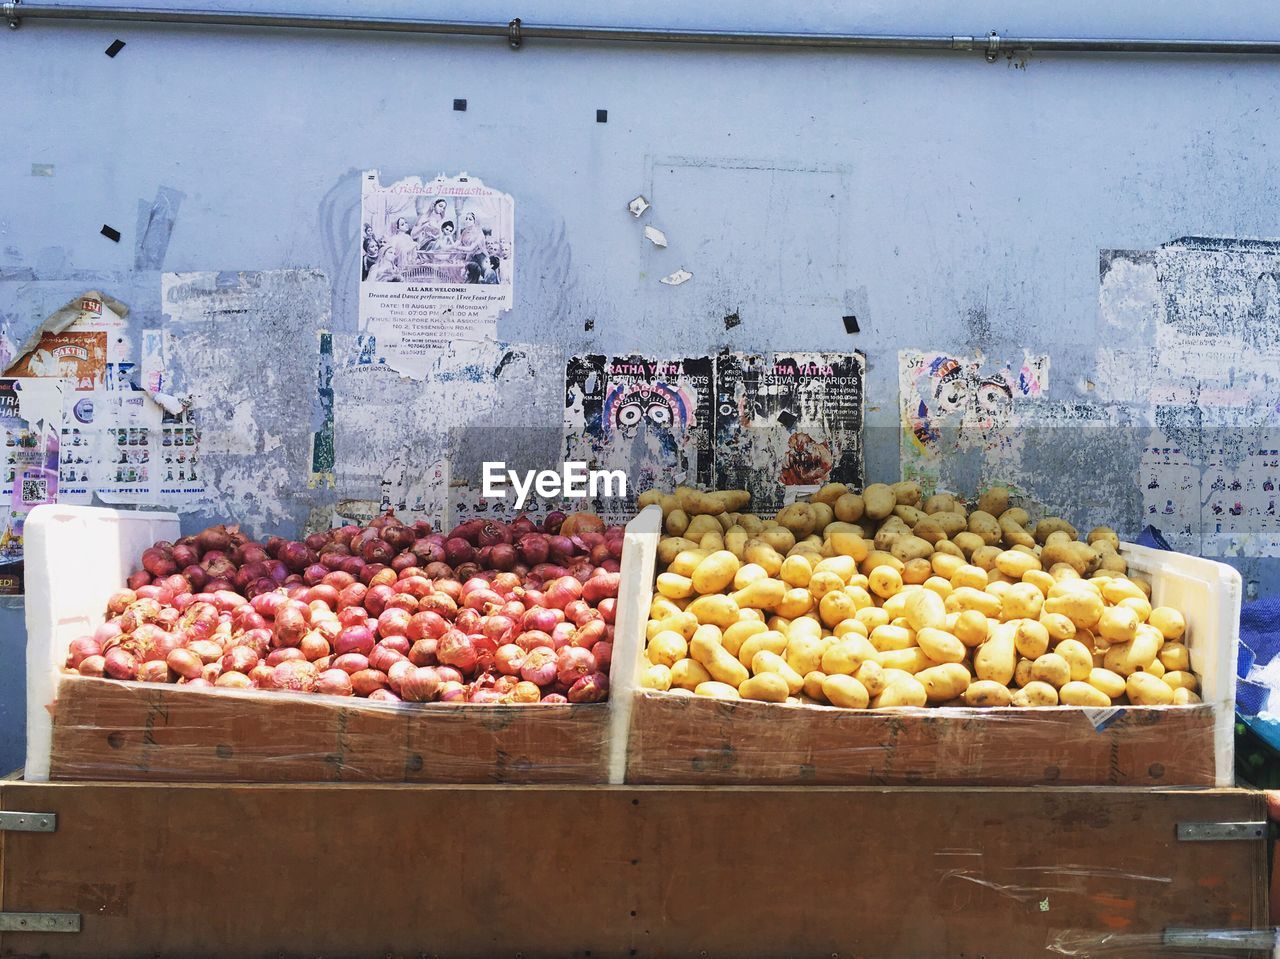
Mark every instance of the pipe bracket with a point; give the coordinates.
(993, 47)
(513, 34)
(11, 14)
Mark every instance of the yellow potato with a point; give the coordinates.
(966, 597)
(1078, 656)
(724, 668)
(735, 540)
(700, 526)
(871, 617)
(878, 501)
(675, 586)
(695, 502)
(984, 557)
(829, 493)
(941, 646)
(1016, 564)
(751, 523)
(813, 685)
(1058, 626)
(1052, 669)
(799, 518)
(677, 521)
(716, 609)
(796, 570)
(1022, 672)
(672, 546)
(847, 654)
(845, 567)
(715, 573)
(847, 540)
(872, 676)
(926, 529)
(986, 692)
(973, 577)
(762, 554)
(1082, 607)
(849, 508)
(1185, 697)
(836, 607)
(907, 492)
(1175, 656)
(821, 583)
(823, 515)
(1140, 605)
(1118, 624)
(845, 691)
(909, 547)
(1013, 533)
(650, 497)
(767, 662)
(997, 658)
(770, 639)
(850, 627)
(1129, 658)
(1021, 601)
(734, 636)
(656, 677)
(1080, 693)
(970, 628)
(1036, 693)
(718, 690)
(1106, 681)
(760, 594)
(941, 503)
(940, 586)
(689, 674)
(884, 581)
(902, 692)
(925, 609)
(909, 514)
(910, 660)
(916, 571)
(804, 653)
(1053, 524)
(667, 648)
(795, 602)
(1116, 589)
(986, 526)
(747, 574)
(1030, 638)
(1103, 534)
(1169, 621)
(1040, 580)
(1147, 690)
(943, 682)
(994, 501)
(890, 636)
(1180, 679)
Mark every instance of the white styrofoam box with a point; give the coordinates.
(639, 554)
(75, 558)
(1207, 594)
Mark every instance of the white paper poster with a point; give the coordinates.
(437, 263)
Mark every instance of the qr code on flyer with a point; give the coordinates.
(35, 490)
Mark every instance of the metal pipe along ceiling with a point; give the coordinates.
(516, 32)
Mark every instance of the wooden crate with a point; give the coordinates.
(108, 730)
(692, 739)
(375, 870)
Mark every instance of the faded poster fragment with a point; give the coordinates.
(237, 347)
(31, 415)
(437, 263)
(955, 404)
(651, 418)
(787, 423)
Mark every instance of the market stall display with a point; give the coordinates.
(882, 603)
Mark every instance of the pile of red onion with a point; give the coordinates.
(489, 613)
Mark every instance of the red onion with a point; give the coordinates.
(534, 638)
(561, 592)
(297, 556)
(213, 538)
(396, 674)
(314, 646)
(542, 620)
(295, 675)
(589, 689)
(154, 671)
(234, 680)
(375, 599)
(352, 595)
(139, 579)
(93, 666)
(603, 653)
(81, 649)
(534, 548)
(352, 616)
(502, 557)
(418, 587)
(211, 671)
(239, 659)
(354, 639)
(448, 674)
(428, 551)
(579, 611)
(423, 652)
(458, 551)
(185, 663)
(601, 586)
(554, 699)
(383, 696)
(607, 609)
(509, 659)
(198, 683)
(394, 622)
(377, 575)
(573, 663)
(452, 692)
(333, 682)
(403, 601)
(483, 600)
(377, 551)
(283, 655)
(383, 657)
(339, 580)
(403, 561)
(207, 650)
(554, 521)
(367, 681)
(539, 666)
(351, 662)
(458, 650)
(440, 603)
(467, 620)
(425, 624)
(561, 635)
(290, 627)
(587, 635)
(420, 685)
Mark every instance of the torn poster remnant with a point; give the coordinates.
(676, 278)
(437, 263)
(31, 416)
(788, 423)
(951, 403)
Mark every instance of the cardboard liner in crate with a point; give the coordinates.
(695, 740)
(109, 730)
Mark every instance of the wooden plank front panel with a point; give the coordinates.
(269, 871)
(105, 730)
(693, 739)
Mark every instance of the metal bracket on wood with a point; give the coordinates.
(513, 34)
(1220, 831)
(28, 821)
(39, 922)
(11, 14)
(1227, 940)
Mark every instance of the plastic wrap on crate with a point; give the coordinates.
(109, 730)
(83, 728)
(675, 738)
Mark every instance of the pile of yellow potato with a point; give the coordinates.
(885, 599)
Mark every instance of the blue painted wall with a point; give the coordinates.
(946, 201)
